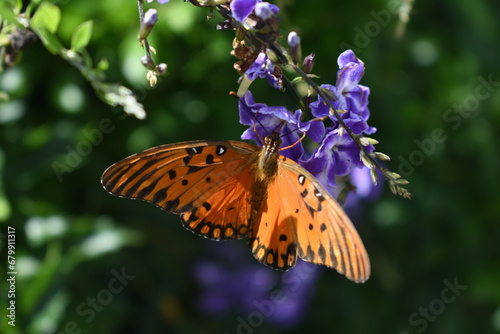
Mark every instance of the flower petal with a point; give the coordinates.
(242, 8)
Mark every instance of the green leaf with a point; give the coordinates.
(18, 5)
(49, 40)
(46, 17)
(8, 12)
(14, 5)
(81, 36)
(102, 65)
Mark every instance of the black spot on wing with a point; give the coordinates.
(210, 159)
(207, 206)
(194, 150)
(319, 195)
(310, 209)
(184, 182)
(193, 169)
(311, 226)
(283, 237)
(322, 253)
(171, 174)
(304, 193)
(221, 150)
(289, 256)
(322, 228)
(171, 205)
(160, 195)
(188, 207)
(310, 256)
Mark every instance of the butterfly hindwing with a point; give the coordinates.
(323, 232)
(205, 181)
(270, 238)
(223, 214)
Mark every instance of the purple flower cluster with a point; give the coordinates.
(232, 282)
(241, 9)
(263, 67)
(336, 153)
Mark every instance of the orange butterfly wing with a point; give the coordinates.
(211, 182)
(207, 182)
(323, 232)
(270, 238)
(300, 217)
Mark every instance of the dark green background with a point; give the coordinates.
(448, 232)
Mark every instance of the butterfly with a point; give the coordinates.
(231, 189)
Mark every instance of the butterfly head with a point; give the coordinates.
(272, 143)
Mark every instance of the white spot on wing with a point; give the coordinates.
(221, 150)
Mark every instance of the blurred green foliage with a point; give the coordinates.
(72, 237)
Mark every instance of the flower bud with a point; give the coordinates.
(149, 21)
(308, 63)
(366, 141)
(380, 156)
(374, 176)
(295, 49)
(148, 63)
(270, 25)
(152, 78)
(263, 10)
(161, 69)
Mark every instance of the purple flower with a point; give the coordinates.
(161, 2)
(233, 282)
(229, 282)
(338, 153)
(333, 157)
(263, 67)
(242, 8)
(349, 93)
(365, 189)
(263, 120)
(150, 19)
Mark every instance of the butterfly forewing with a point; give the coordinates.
(207, 181)
(323, 232)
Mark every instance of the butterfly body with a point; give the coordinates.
(265, 170)
(230, 190)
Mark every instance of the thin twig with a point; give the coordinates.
(141, 20)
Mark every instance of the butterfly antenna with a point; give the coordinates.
(303, 134)
(290, 146)
(254, 117)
